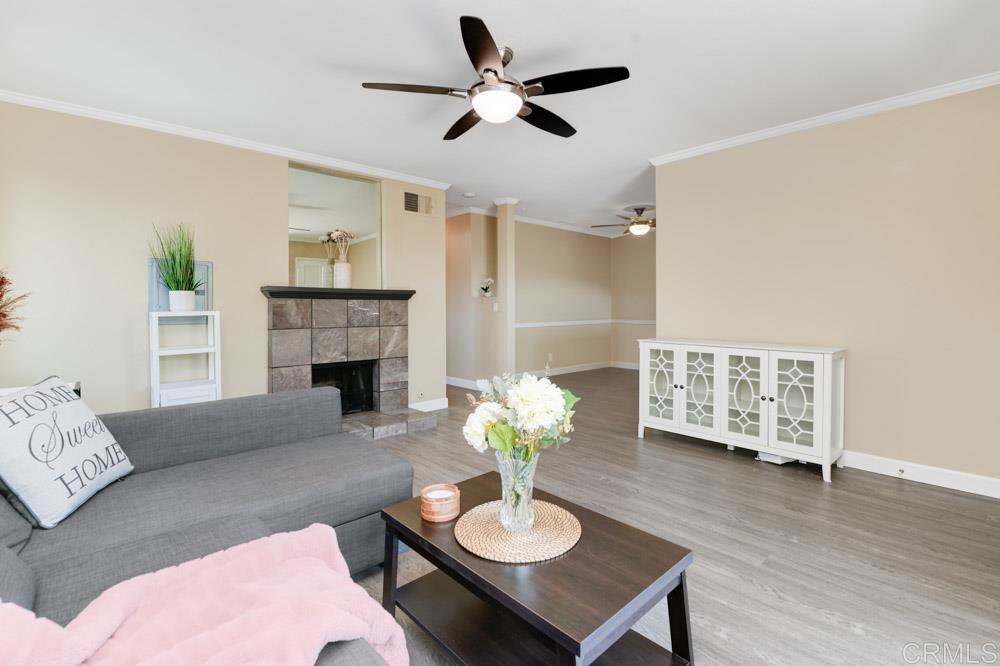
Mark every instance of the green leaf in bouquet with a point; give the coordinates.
(569, 399)
(502, 437)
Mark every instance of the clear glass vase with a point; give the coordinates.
(517, 481)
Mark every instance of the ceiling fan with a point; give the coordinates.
(498, 97)
(638, 223)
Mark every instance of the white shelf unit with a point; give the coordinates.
(785, 402)
(163, 394)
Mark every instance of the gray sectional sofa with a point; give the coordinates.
(209, 476)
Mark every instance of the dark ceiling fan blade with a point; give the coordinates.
(480, 46)
(462, 125)
(598, 226)
(546, 120)
(406, 87)
(579, 79)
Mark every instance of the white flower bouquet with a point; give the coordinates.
(339, 238)
(518, 419)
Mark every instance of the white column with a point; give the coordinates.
(506, 223)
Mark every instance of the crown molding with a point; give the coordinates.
(464, 210)
(214, 137)
(506, 200)
(453, 212)
(568, 227)
(859, 111)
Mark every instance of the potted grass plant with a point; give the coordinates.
(173, 252)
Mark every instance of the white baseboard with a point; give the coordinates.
(471, 384)
(430, 405)
(935, 476)
(565, 370)
(483, 384)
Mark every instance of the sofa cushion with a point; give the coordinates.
(166, 436)
(349, 653)
(14, 528)
(55, 453)
(332, 480)
(17, 580)
(65, 589)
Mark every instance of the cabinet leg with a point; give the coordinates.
(730, 447)
(827, 476)
(642, 431)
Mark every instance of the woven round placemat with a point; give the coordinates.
(479, 531)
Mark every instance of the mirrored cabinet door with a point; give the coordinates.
(698, 388)
(796, 384)
(746, 396)
(660, 398)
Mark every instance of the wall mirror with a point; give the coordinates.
(320, 202)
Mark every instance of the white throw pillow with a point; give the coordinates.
(55, 453)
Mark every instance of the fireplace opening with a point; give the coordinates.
(355, 379)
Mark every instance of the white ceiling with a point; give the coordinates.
(289, 74)
(319, 203)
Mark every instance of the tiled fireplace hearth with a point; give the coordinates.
(319, 333)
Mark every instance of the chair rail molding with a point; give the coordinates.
(584, 322)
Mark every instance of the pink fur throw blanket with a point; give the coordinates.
(276, 600)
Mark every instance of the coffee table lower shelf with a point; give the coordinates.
(481, 634)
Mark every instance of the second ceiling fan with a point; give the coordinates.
(640, 220)
(498, 97)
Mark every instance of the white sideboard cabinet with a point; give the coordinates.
(785, 402)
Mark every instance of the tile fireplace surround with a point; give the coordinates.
(308, 325)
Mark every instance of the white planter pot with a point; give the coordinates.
(342, 275)
(181, 301)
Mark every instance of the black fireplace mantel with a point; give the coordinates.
(322, 292)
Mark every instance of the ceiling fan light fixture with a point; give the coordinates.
(496, 104)
(639, 229)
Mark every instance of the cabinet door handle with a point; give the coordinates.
(763, 397)
(676, 386)
(682, 385)
(771, 398)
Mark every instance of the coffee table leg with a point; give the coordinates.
(680, 620)
(389, 567)
(564, 657)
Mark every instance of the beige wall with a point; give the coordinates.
(471, 255)
(633, 294)
(561, 276)
(413, 247)
(879, 234)
(363, 257)
(78, 198)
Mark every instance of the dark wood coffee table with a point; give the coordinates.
(575, 609)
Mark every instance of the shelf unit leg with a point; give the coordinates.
(827, 475)
(730, 447)
(642, 431)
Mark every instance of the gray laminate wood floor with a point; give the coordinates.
(787, 569)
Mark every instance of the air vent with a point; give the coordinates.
(414, 203)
